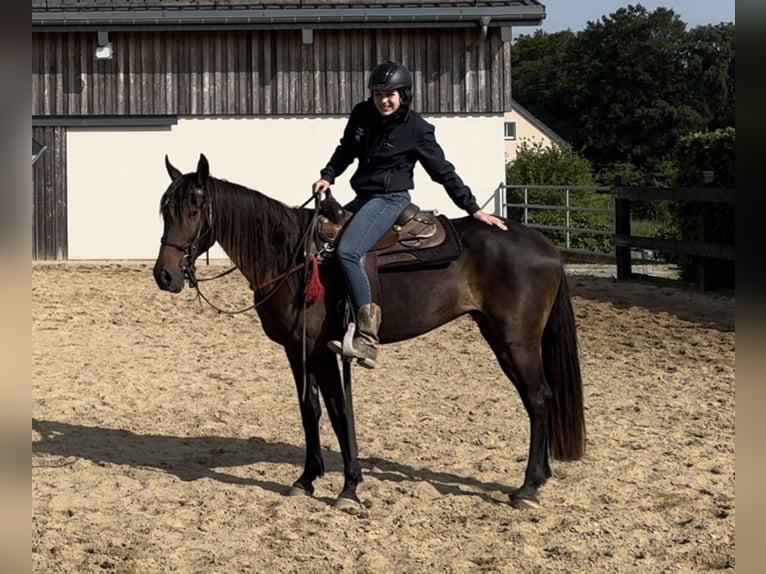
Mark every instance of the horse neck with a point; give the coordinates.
(258, 233)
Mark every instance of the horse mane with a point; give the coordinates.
(260, 234)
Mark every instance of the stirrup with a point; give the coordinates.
(348, 342)
(345, 347)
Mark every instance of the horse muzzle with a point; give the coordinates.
(169, 277)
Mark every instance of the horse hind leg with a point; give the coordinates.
(536, 394)
(521, 361)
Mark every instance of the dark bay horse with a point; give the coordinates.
(512, 283)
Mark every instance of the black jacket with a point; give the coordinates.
(387, 155)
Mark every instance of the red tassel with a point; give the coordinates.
(314, 288)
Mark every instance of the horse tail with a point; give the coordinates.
(566, 420)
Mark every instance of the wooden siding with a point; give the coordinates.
(263, 72)
(49, 209)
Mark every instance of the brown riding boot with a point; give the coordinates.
(365, 343)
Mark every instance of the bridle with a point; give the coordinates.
(189, 255)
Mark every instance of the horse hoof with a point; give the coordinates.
(296, 490)
(525, 503)
(348, 506)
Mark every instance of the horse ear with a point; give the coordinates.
(172, 171)
(203, 170)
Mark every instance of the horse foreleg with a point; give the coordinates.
(311, 412)
(340, 408)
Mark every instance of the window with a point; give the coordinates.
(510, 130)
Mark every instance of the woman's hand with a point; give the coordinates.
(319, 187)
(490, 219)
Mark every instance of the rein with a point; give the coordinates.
(281, 278)
(189, 255)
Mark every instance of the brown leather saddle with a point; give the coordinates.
(417, 238)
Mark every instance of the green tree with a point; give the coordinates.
(709, 62)
(628, 87)
(633, 92)
(544, 78)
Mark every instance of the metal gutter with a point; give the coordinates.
(103, 121)
(289, 17)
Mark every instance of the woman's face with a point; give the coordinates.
(386, 102)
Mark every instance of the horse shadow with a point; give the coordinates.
(194, 458)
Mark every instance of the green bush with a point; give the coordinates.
(536, 164)
(695, 154)
(555, 165)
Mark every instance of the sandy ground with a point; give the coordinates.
(164, 435)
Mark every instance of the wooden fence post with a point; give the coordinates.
(622, 227)
(703, 275)
(703, 224)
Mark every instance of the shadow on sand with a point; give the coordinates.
(193, 458)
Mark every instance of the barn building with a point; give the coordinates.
(263, 89)
(523, 127)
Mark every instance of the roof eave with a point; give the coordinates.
(537, 122)
(364, 17)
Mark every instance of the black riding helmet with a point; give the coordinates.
(390, 76)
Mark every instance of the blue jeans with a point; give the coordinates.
(373, 216)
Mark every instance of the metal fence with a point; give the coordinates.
(569, 205)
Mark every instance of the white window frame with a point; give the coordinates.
(507, 125)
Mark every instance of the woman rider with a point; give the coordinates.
(388, 138)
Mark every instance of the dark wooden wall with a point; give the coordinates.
(49, 224)
(263, 72)
(241, 73)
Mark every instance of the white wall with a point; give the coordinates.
(116, 176)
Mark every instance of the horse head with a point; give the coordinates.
(186, 209)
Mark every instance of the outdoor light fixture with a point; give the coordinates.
(37, 150)
(104, 49)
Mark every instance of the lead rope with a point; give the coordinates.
(306, 265)
(306, 243)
